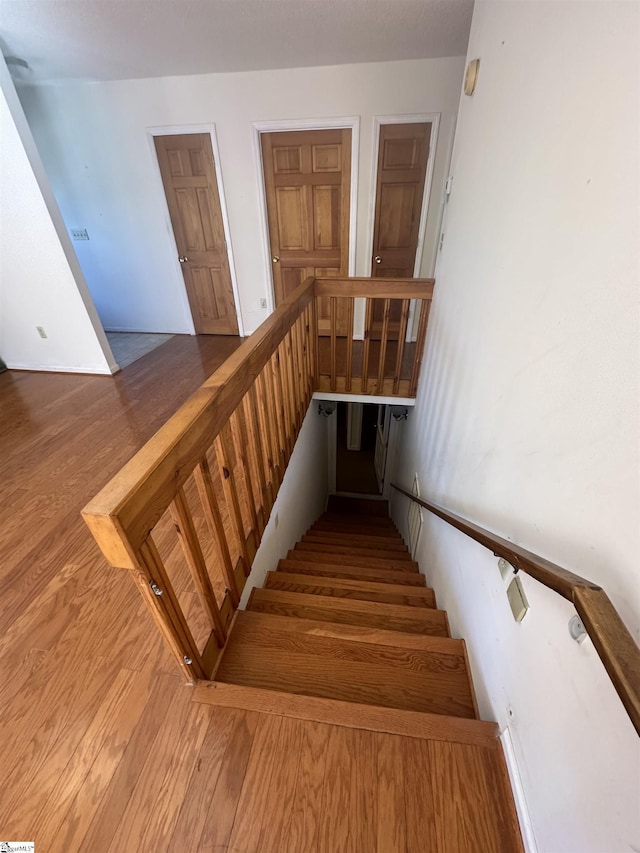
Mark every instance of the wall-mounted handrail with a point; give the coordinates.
(612, 640)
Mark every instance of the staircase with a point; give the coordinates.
(346, 633)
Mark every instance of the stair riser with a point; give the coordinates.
(356, 529)
(354, 573)
(374, 553)
(313, 556)
(334, 539)
(364, 613)
(359, 595)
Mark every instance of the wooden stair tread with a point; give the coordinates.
(355, 715)
(349, 550)
(382, 526)
(376, 531)
(412, 596)
(385, 544)
(332, 570)
(357, 506)
(263, 653)
(355, 560)
(394, 617)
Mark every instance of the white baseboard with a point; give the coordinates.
(526, 824)
(52, 368)
(147, 331)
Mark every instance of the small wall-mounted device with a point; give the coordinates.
(471, 77)
(40, 330)
(79, 234)
(506, 569)
(577, 630)
(517, 600)
(399, 413)
(263, 302)
(326, 409)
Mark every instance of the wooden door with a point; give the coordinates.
(307, 177)
(402, 166)
(189, 178)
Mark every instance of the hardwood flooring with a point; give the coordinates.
(104, 749)
(91, 702)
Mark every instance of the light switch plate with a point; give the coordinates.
(517, 600)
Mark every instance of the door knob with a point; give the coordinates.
(378, 259)
(183, 259)
(275, 259)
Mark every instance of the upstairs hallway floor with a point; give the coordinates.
(86, 682)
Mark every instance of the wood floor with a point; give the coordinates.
(104, 749)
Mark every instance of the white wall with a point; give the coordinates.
(93, 140)
(527, 417)
(301, 499)
(38, 284)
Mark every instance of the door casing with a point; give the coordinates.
(177, 130)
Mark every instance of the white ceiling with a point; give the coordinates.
(121, 39)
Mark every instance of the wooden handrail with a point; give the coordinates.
(612, 640)
(216, 466)
(135, 499)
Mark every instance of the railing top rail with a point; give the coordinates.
(122, 515)
(130, 505)
(376, 288)
(611, 638)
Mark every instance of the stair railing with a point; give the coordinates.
(612, 640)
(209, 477)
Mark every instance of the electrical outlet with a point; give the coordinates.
(79, 234)
(41, 332)
(263, 303)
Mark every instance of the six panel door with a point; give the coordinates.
(403, 154)
(402, 166)
(189, 178)
(307, 176)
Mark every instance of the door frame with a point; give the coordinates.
(407, 118)
(282, 126)
(180, 130)
(332, 437)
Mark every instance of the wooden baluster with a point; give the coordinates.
(282, 393)
(383, 345)
(160, 598)
(241, 442)
(206, 490)
(368, 323)
(314, 341)
(290, 378)
(274, 394)
(402, 334)
(224, 454)
(188, 537)
(257, 452)
(420, 339)
(299, 363)
(308, 344)
(349, 370)
(269, 428)
(333, 323)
